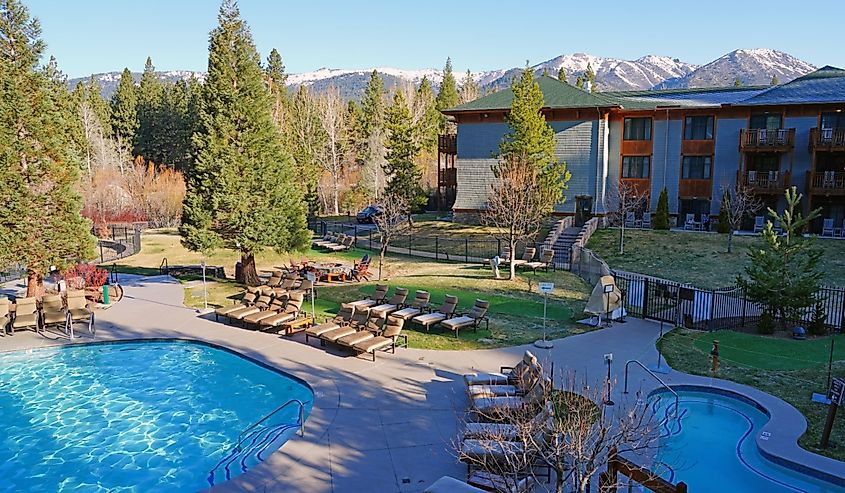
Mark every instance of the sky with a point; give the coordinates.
(92, 36)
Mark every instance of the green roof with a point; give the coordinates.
(556, 94)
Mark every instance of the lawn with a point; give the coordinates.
(516, 309)
(700, 259)
(791, 370)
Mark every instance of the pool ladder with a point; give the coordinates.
(662, 383)
(300, 422)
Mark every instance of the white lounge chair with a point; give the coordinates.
(827, 227)
(759, 222)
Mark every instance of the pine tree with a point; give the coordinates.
(42, 224)
(307, 141)
(150, 99)
(661, 216)
(174, 120)
(400, 168)
(561, 74)
(372, 134)
(242, 191)
(737, 82)
(277, 84)
(428, 118)
(124, 109)
(775, 80)
(94, 96)
(447, 97)
(469, 89)
(724, 225)
(579, 82)
(591, 77)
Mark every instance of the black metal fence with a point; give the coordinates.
(12, 272)
(119, 242)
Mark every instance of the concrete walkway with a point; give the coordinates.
(388, 426)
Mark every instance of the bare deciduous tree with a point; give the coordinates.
(622, 200)
(333, 117)
(390, 223)
(738, 203)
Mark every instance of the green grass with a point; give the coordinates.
(700, 259)
(790, 370)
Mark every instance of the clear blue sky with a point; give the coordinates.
(104, 35)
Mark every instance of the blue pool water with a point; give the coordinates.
(713, 448)
(137, 417)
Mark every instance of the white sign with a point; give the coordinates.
(546, 287)
(310, 276)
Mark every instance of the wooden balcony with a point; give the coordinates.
(642, 186)
(765, 182)
(777, 140)
(695, 189)
(447, 177)
(827, 139)
(447, 143)
(826, 182)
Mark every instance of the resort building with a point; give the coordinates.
(694, 142)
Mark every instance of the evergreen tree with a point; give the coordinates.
(176, 126)
(561, 74)
(94, 96)
(242, 191)
(579, 82)
(403, 174)
(447, 97)
(150, 96)
(775, 80)
(307, 140)
(372, 134)
(737, 82)
(661, 216)
(469, 89)
(124, 109)
(42, 224)
(724, 225)
(545, 72)
(591, 77)
(277, 84)
(427, 127)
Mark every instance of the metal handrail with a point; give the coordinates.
(164, 268)
(625, 391)
(251, 427)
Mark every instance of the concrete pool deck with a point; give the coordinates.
(388, 426)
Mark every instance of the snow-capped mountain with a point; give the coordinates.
(751, 66)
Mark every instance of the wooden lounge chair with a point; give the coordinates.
(248, 298)
(419, 304)
(288, 314)
(343, 317)
(389, 339)
(78, 310)
(447, 309)
(4, 314)
(53, 311)
(527, 256)
(338, 242)
(327, 239)
(470, 319)
(276, 306)
(377, 298)
(26, 314)
(545, 261)
(506, 374)
(358, 322)
(391, 305)
(361, 270)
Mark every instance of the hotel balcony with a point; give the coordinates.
(827, 139)
(826, 182)
(447, 177)
(447, 144)
(776, 140)
(764, 182)
(641, 186)
(695, 188)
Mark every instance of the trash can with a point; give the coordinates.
(239, 271)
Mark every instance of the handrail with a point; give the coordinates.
(251, 427)
(163, 268)
(625, 391)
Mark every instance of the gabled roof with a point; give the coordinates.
(685, 98)
(825, 85)
(556, 94)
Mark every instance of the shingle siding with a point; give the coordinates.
(480, 140)
(576, 144)
(474, 179)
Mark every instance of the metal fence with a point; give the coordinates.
(696, 308)
(120, 241)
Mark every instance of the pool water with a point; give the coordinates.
(137, 417)
(712, 448)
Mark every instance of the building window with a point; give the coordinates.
(636, 166)
(698, 128)
(637, 129)
(765, 121)
(697, 167)
(833, 120)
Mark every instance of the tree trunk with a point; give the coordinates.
(730, 239)
(248, 270)
(34, 284)
(335, 194)
(512, 267)
(622, 238)
(381, 258)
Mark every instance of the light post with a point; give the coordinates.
(608, 359)
(545, 288)
(204, 290)
(313, 278)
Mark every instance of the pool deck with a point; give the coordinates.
(391, 426)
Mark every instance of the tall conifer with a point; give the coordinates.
(150, 96)
(403, 174)
(124, 109)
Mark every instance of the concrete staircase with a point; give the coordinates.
(563, 247)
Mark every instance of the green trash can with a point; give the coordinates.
(105, 294)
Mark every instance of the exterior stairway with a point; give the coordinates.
(563, 247)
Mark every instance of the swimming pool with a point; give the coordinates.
(712, 447)
(138, 416)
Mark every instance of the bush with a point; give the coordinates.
(766, 325)
(81, 276)
(661, 216)
(817, 326)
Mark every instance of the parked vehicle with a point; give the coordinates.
(368, 214)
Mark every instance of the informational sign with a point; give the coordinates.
(837, 391)
(546, 287)
(311, 276)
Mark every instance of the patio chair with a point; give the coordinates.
(358, 322)
(508, 431)
(419, 304)
(286, 315)
(704, 223)
(376, 298)
(4, 314)
(827, 227)
(520, 386)
(506, 374)
(689, 223)
(361, 270)
(261, 304)
(759, 223)
(53, 311)
(490, 405)
(545, 261)
(470, 319)
(78, 310)
(26, 314)
(527, 256)
(630, 220)
(391, 305)
(647, 220)
(447, 309)
(345, 244)
(248, 298)
(275, 279)
(276, 306)
(327, 239)
(505, 256)
(374, 327)
(343, 317)
(389, 339)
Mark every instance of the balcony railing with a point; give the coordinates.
(780, 139)
(763, 182)
(641, 186)
(447, 177)
(827, 139)
(826, 182)
(447, 143)
(695, 188)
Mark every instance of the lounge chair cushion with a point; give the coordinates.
(500, 431)
(363, 304)
(28, 320)
(243, 312)
(486, 379)
(458, 322)
(80, 313)
(490, 449)
(257, 317)
(225, 310)
(337, 333)
(318, 330)
(430, 318)
(54, 317)
(374, 344)
(406, 313)
(382, 310)
(481, 391)
(486, 404)
(356, 338)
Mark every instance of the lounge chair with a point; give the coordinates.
(389, 339)
(521, 386)
(827, 227)
(4, 314)
(275, 279)
(327, 239)
(470, 319)
(630, 220)
(261, 304)
(377, 298)
(345, 244)
(391, 305)
(374, 327)
(361, 270)
(505, 257)
(53, 311)
(509, 431)
(447, 309)
(288, 314)
(78, 310)
(276, 306)
(358, 322)
(488, 481)
(305, 287)
(646, 220)
(26, 314)
(490, 405)
(249, 297)
(527, 256)
(419, 304)
(506, 374)
(759, 223)
(689, 223)
(343, 317)
(545, 261)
